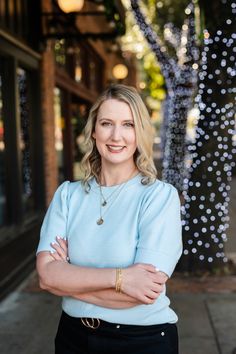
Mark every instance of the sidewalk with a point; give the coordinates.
(207, 314)
(206, 309)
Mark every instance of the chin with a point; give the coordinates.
(118, 160)
(115, 161)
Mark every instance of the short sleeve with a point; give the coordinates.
(54, 223)
(160, 231)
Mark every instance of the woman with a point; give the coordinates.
(118, 239)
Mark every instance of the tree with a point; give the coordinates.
(207, 188)
(180, 75)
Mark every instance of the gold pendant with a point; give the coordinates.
(100, 221)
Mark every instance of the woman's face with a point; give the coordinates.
(115, 133)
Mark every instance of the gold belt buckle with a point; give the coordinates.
(93, 323)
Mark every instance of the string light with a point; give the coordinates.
(207, 185)
(181, 78)
(209, 214)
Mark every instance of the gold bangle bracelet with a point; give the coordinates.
(118, 280)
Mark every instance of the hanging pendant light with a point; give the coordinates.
(68, 6)
(120, 71)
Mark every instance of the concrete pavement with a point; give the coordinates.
(206, 323)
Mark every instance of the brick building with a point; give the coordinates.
(52, 67)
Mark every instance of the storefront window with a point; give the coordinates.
(2, 163)
(92, 72)
(59, 132)
(78, 65)
(60, 52)
(25, 140)
(79, 116)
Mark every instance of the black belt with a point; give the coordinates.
(88, 322)
(95, 323)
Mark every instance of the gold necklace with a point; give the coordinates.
(100, 221)
(105, 200)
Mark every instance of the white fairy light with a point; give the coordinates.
(218, 125)
(206, 228)
(180, 77)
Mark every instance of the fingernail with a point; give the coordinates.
(157, 269)
(64, 238)
(52, 252)
(58, 237)
(53, 243)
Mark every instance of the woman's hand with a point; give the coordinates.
(61, 249)
(143, 282)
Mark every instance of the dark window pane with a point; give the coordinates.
(59, 133)
(25, 140)
(60, 52)
(78, 65)
(79, 117)
(93, 74)
(2, 164)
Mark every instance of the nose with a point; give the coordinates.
(116, 133)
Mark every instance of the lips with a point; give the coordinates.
(115, 148)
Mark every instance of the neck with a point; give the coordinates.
(117, 175)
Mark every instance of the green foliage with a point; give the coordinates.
(149, 70)
(155, 84)
(167, 11)
(112, 14)
(159, 13)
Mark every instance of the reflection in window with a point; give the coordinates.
(59, 130)
(60, 52)
(92, 73)
(78, 65)
(25, 140)
(79, 115)
(2, 163)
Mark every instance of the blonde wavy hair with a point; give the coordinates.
(143, 157)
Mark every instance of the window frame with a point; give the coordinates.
(11, 58)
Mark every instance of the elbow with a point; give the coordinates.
(43, 283)
(43, 262)
(46, 285)
(43, 278)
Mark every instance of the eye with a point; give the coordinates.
(104, 124)
(129, 124)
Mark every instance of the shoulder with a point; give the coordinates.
(67, 188)
(160, 193)
(76, 188)
(62, 189)
(161, 188)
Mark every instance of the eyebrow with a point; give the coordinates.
(111, 120)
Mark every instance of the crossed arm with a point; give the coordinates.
(141, 283)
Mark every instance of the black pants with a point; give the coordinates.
(109, 338)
